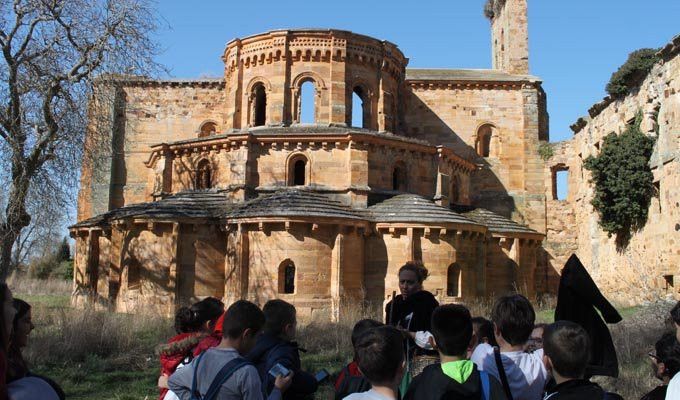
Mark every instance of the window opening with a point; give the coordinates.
(287, 277)
(260, 106)
(299, 172)
(307, 103)
(359, 108)
(453, 280)
(203, 175)
(207, 129)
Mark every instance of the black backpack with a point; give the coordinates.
(351, 384)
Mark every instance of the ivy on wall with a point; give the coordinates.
(624, 184)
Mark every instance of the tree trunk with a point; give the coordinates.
(16, 218)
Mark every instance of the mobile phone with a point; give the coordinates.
(279, 370)
(321, 375)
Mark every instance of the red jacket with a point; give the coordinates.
(175, 351)
(211, 340)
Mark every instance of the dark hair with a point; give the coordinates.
(484, 330)
(278, 314)
(379, 352)
(668, 352)
(240, 316)
(4, 339)
(185, 322)
(452, 329)
(361, 327)
(514, 316)
(207, 310)
(22, 309)
(417, 268)
(16, 365)
(568, 346)
(675, 313)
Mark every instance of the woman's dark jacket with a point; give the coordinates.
(421, 304)
(577, 299)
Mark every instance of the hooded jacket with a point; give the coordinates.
(175, 351)
(577, 299)
(575, 389)
(270, 350)
(433, 384)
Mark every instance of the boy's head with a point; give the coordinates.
(379, 352)
(452, 329)
(361, 327)
(483, 330)
(280, 319)
(535, 341)
(675, 315)
(666, 358)
(566, 349)
(242, 322)
(513, 317)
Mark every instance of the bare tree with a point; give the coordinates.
(52, 52)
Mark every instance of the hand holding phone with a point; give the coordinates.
(279, 370)
(321, 375)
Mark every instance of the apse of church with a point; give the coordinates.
(224, 190)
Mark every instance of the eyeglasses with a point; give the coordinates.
(654, 356)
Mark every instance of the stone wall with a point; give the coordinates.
(649, 267)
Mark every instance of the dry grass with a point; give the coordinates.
(96, 354)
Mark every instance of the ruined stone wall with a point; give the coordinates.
(201, 262)
(510, 36)
(145, 113)
(648, 268)
(511, 180)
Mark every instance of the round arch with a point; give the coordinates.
(298, 174)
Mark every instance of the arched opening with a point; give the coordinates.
(287, 277)
(453, 280)
(484, 135)
(399, 178)
(207, 129)
(307, 103)
(360, 108)
(454, 192)
(203, 175)
(260, 106)
(297, 171)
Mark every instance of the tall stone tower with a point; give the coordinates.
(509, 35)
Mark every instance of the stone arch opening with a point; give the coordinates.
(207, 129)
(454, 191)
(203, 175)
(453, 280)
(485, 135)
(361, 108)
(260, 105)
(399, 177)
(298, 170)
(307, 102)
(287, 277)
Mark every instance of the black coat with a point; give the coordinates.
(576, 389)
(577, 299)
(421, 304)
(433, 384)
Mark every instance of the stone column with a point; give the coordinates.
(337, 260)
(173, 287)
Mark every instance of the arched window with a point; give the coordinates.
(287, 277)
(454, 193)
(297, 170)
(203, 175)
(399, 177)
(307, 103)
(453, 280)
(484, 135)
(208, 129)
(360, 108)
(260, 106)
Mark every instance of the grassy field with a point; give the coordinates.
(101, 355)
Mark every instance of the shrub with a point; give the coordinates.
(42, 268)
(545, 150)
(632, 72)
(623, 181)
(493, 7)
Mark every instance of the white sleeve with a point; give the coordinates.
(673, 391)
(481, 352)
(423, 340)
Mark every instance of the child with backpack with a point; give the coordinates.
(222, 372)
(523, 375)
(351, 380)
(455, 377)
(567, 350)
(379, 353)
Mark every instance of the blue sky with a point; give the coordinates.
(575, 45)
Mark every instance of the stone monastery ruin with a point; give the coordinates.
(214, 187)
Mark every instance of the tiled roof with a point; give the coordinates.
(190, 204)
(295, 202)
(414, 208)
(496, 223)
(486, 75)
